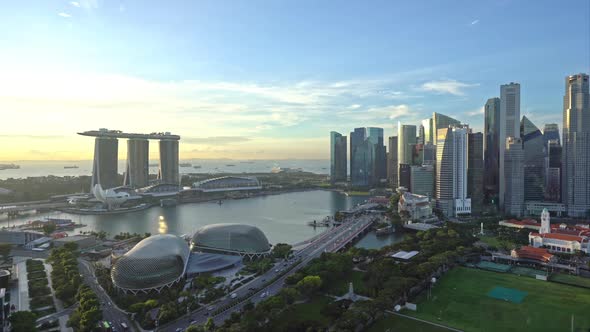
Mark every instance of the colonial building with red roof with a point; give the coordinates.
(532, 253)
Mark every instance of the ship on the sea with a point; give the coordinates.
(230, 165)
(9, 166)
(185, 165)
(69, 167)
(197, 166)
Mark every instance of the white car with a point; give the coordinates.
(263, 295)
(234, 295)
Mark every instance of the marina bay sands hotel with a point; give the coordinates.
(106, 149)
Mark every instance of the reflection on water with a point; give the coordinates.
(283, 218)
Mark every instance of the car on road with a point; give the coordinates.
(263, 295)
(234, 295)
(210, 308)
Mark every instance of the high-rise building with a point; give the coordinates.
(422, 180)
(169, 172)
(406, 138)
(553, 171)
(137, 170)
(475, 173)
(551, 132)
(534, 160)
(417, 154)
(509, 127)
(576, 146)
(436, 122)
(378, 160)
(514, 172)
(421, 137)
(405, 176)
(429, 154)
(104, 166)
(359, 158)
(337, 157)
(392, 163)
(451, 171)
(492, 149)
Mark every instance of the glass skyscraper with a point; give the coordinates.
(337, 157)
(509, 127)
(492, 149)
(534, 160)
(367, 157)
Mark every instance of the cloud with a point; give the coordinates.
(354, 106)
(474, 22)
(216, 140)
(447, 86)
(66, 15)
(75, 4)
(479, 111)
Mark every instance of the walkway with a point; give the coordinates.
(23, 285)
(63, 319)
(423, 321)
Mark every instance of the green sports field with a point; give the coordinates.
(460, 299)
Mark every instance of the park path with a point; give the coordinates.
(23, 285)
(424, 321)
(63, 320)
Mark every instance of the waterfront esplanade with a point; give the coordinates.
(106, 145)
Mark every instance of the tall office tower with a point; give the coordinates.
(137, 170)
(104, 166)
(509, 127)
(420, 139)
(576, 146)
(492, 149)
(514, 172)
(429, 154)
(553, 171)
(169, 172)
(475, 173)
(551, 132)
(436, 122)
(422, 180)
(392, 164)
(534, 160)
(451, 171)
(417, 154)
(378, 160)
(359, 158)
(406, 137)
(337, 157)
(405, 176)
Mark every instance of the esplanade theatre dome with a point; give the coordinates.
(154, 263)
(244, 240)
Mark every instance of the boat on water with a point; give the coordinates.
(230, 165)
(185, 165)
(197, 166)
(9, 166)
(70, 167)
(385, 230)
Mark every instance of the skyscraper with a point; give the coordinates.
(378, 160)
(405, 176)
(551, 132)
(553, 171)
(513, 165)
(451, 171)
(429, 154)
(359, 158)
(534, 160)
(420, 134)
(492, 149)
(509, 127)
(436, 122)
(475, 173)
(104, 166)
(337, 157)
(422, 180)
(169, 172)
(392, 163)
(576, 146)
(137, 170)
(406, 137)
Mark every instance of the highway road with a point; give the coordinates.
(332, 240)
(109, 311)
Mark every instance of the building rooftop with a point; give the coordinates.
(119, 134)
(405, 255)
(557, 236)
(529, 252)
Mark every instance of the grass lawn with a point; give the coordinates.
(309, 311)
(570, 279)
(495, 242)
(340, 287)
(460, 300)
(394, 323)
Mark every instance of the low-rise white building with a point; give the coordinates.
(417, 206)
(561, 238)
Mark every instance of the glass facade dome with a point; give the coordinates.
(153, 263)
(236, 238)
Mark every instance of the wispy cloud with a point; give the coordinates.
(66, 15)
(477, 112)
(447, 86)
(216, 140)
(75, 4)
(474, 22)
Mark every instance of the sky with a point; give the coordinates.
(270, 79)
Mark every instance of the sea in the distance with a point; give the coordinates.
(210, 166)
(283, 218)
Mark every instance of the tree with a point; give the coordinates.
(49, 228)
(5, 250)
(309, 285)
(210, 325)
(23, 321)
(281, 250)
(71, 246)
(195, 328)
